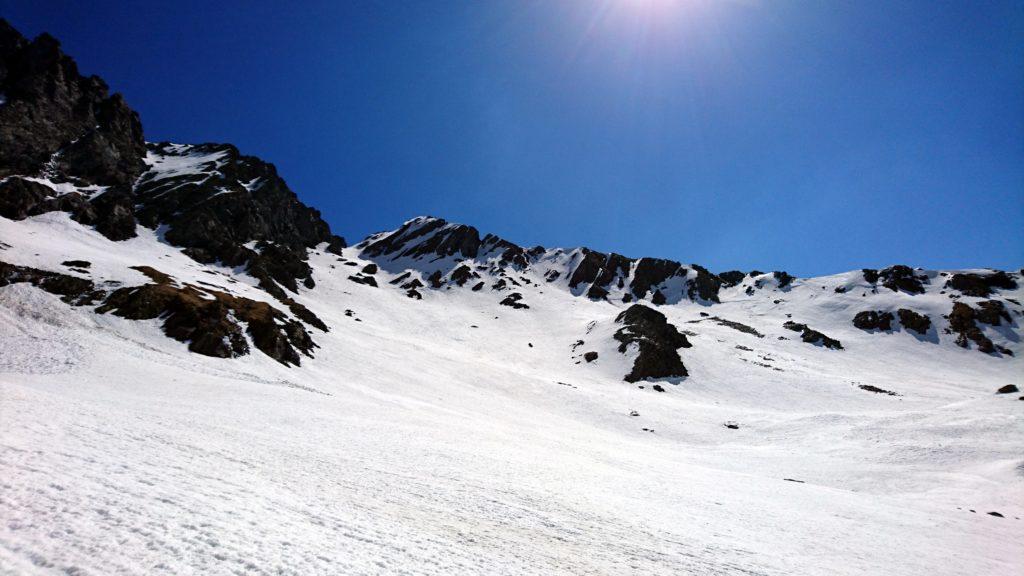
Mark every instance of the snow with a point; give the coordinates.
(182, 160)
(62, 188)
(417, 443)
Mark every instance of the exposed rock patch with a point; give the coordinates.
(963, 322)
(72, 290)
(812, 336)
(911, 320)
(210, 321)
(731, 278)
(514, 300)
(657, 340)
(877, 390)
(872, 320)
(981, 285)
(899, 277)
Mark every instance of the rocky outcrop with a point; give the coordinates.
(963, 322)
(872, 320)
(731, 278)
(657, 341)
(651, 272)
(705, 286)
(993, 312)
(426, 236)
(812, 336)
(514, 300)
(981, 285)
(211, 321)
(208, 320)
(911, 320)
(111, 211)
(897, 278)
(588, 268)
(20, 198)
(66, 128)
(783, 279)
(462, 274)
(220, 205)
(72, 290)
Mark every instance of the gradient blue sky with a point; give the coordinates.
(811, 136)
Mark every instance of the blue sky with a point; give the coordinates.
(810, 136)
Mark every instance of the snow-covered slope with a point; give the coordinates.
(198, 377)
(451, 434)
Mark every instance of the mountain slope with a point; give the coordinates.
(197, 376)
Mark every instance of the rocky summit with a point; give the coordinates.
(197, 375)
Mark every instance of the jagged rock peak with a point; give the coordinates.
(432, 239)
(57, 121)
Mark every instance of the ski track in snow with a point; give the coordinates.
(414, 443)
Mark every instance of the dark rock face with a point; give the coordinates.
(235, 199)
(111, 212)
(981, 285)
(870, 275)
(812, 336)
(651, 272)
(365, 280)
(615, 267)
(588, 268)
(51, 107)
(115, 214)
(962, 323)
(72, 290)
(590, 356)
(21, 198)
(597, 293)
(872, 320)
(911, 320)
(658, 298)
(900, 277)
(1008, 389)
(657, 339)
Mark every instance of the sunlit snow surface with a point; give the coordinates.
(417, 443)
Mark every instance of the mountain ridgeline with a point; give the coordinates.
(69, 146)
